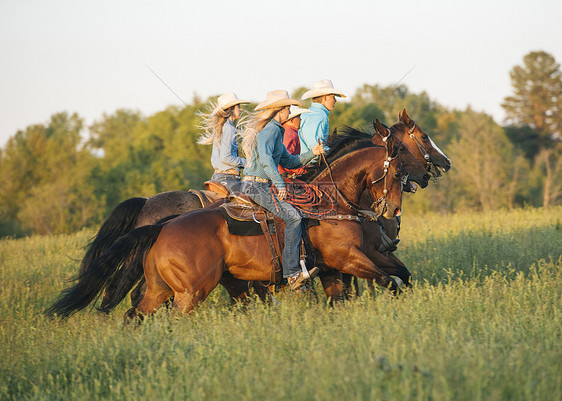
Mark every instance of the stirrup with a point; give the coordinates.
(305, 272)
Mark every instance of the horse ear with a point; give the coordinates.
(380, 128)
(404, 117)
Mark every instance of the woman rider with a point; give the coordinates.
(262, 141)
(218, 129)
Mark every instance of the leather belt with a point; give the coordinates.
(256, 179)
(233, 171)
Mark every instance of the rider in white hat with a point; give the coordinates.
(262, 141)
(219, 130)
(314, 126)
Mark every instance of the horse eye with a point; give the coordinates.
(397, 175)
(424, 136)
(402, 148)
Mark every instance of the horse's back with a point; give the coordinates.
(192, 231)
(166, 204)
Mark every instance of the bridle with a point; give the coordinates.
(380, 205)
(429, 165)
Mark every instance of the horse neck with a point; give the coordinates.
(350, 172)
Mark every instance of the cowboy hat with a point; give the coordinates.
(278, 98)
(228, 100)
(295, 111)
(321, 88)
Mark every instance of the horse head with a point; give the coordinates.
(421, 145)
(415, 169)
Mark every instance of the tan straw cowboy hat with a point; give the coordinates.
(295, 111)
(228, 100)
(278, 98)
(321, 88)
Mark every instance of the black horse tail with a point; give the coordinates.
(122, 282)
(130, 273)
(89, 285)
(121, 220)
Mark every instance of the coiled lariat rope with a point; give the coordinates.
(304, 196)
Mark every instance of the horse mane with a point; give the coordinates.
(400, 125)
(341, 142)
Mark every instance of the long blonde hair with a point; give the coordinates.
(255, 123)
(212, 122)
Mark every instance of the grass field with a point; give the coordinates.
(483, 322)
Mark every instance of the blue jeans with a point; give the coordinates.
(261, 194)
(230, 181)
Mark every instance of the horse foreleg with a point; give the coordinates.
(392, 265)
(350, 286)
(239, 290)
(333, 285)
(400, 270)
(359, 265)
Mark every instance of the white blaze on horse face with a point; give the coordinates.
(437, 148)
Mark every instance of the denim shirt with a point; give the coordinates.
(225, 153)
(270, 152)
(314, 126)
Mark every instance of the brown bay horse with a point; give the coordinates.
(187, 257)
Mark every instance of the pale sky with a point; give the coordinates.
(91, 57)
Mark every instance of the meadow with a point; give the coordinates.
(482, 322)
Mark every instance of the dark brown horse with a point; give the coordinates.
(187, 257)
(410, 135)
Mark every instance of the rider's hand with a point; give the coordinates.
(282, 194)
(316, 150)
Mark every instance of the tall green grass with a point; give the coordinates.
(483, 322)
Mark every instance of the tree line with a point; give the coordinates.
(62, 176)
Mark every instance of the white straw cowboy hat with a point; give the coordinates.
(278, 98)
(228, 100)
(295, 111)
(321, 88)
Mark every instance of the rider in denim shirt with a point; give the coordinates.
(263, 140)
(220, 131)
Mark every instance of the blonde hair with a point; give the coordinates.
(255, 123)
(212, 122)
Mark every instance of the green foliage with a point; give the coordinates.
(537, 97)
(46, 185)
(482, 322)
(535, 110)
(487, 169)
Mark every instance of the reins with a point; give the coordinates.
(314, 196)
(309, 197)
